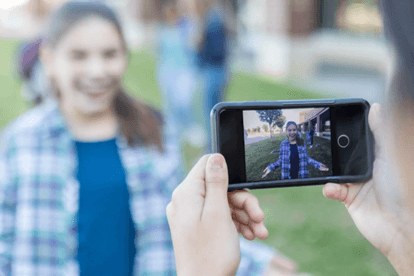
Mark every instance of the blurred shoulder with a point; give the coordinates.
(285, 142)
(31, 122)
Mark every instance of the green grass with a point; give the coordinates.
(259, 156)
(317, 233)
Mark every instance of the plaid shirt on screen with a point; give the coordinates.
(39, 200)
(284, 161)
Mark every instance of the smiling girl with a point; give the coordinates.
(293, 157)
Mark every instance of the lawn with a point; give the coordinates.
(317, 233)
(261, 154)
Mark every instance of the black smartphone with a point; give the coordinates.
(293, 143)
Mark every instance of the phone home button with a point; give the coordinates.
(343, 141)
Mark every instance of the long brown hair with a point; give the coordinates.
(138, 122)
(299, 141)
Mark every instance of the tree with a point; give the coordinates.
(280, 122)
(265, 127)
(258, 129)
(269, 116)
(249, 130)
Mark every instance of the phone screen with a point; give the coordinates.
(289, 143)
(293, 143)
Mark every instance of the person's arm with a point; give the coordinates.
(313, 162)
(258, 259)
(317, 165)
(274, 165)
(402, 256)
(204, 220)
(278, 163)
(375, 206)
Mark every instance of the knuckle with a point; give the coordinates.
(343, 193)
(251, 199)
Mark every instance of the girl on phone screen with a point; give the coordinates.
(293, 157)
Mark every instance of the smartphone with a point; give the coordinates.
(293, 143)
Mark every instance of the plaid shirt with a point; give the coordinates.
(284, 161)
(39, 200)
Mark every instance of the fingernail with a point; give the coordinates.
(217, 163)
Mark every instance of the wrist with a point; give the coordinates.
(401, 255)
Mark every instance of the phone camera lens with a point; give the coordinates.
(343, 141)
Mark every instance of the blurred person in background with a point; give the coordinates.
(177, 76)
(212, 45)
(311, 134)
(85, 177)
(382, 208)
(35, 86)
(176, 70)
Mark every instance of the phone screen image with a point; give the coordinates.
(288, 143)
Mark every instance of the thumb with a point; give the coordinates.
(217, 181)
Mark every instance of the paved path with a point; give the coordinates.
(255, 139)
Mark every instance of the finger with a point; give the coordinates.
(344, 193)
(246, 201)
(336, 191)
(240, 216)
(246, 232)
(237, 224)
(198, 171)
(189, 195)
(216, 179)
(281, 262)
(259, 230)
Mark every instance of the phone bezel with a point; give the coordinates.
(215, 123)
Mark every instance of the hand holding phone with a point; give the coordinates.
(293, 143)
(204, 220)
(376, 206)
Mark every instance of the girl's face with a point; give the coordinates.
(292, 131)
(87, 66)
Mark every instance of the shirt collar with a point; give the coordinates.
(58, 126)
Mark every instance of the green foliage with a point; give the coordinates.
(280, 121)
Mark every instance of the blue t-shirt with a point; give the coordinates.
(105, 228)
(294, 161)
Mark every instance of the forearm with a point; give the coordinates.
(314, 163)
(274, 166)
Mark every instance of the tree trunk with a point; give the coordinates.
(271, 132)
